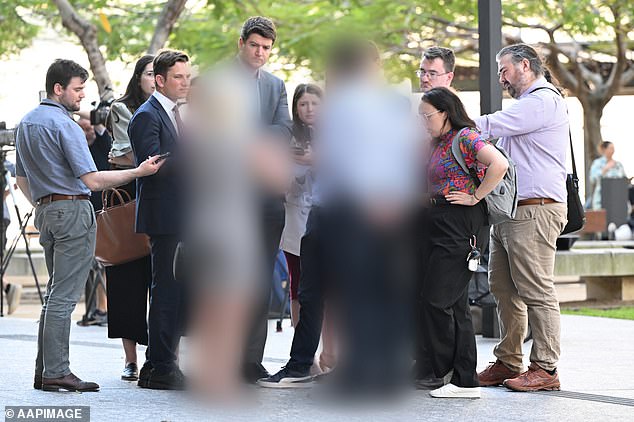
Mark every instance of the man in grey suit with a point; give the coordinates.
(256, 41)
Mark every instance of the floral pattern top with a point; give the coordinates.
(444, 173)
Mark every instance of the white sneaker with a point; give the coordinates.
(453, 391)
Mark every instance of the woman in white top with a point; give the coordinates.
(128, 284)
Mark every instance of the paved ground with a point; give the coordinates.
(596, 372)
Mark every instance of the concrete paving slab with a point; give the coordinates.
(595, 369)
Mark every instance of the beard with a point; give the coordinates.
(513, 92)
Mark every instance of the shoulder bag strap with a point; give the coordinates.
(572, 151)
(459, 157)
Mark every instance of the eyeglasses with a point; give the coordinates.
(428, 115)
(431, 74)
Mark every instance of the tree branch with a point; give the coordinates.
(87, 34)
(165, 24)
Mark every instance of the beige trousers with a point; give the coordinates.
(521, 267)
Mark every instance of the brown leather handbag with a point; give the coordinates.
(117, 242)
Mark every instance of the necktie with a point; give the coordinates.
(179, 121)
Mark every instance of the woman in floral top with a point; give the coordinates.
(456, 215)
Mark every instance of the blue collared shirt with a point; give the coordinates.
(52, 152)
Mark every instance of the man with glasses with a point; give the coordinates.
(436, 70)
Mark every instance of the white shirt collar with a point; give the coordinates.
(167, 104)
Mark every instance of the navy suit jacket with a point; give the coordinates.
(158, 207)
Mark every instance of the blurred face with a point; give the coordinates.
(432, 74)
(308, 108)
(255, 51)
(71, 96)
(147, 80)
(515, 78)
(435, 121)
(609, 151)
(175, 85)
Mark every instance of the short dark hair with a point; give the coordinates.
(258, 25)
(443, 99)
(519, 52)
(445, 54)
(61, 72)
(165, 59)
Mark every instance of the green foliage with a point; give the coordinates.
(209, 29)
(15, 32)
(625, 312)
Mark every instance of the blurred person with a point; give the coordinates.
(229, 163)
(157, 128)
(604, 167)
(363, 188)
(452, 225)
(269, 103)
(129, 284)
(436, 70)
(99, 143)
(56, 173)
(534, 131)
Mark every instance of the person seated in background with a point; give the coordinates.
(603, 167)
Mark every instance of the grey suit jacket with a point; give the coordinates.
(274, 105)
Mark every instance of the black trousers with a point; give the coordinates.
(166, 322)
(447, 333)
(272, 224)
(312, 291)
(363, 271)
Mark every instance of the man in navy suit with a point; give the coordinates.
(155, 129)
(256, 41)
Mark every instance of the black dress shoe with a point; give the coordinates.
(252, 372)
(144, 374)
(37, 382)
(173, 380)
(130, 372)
(69, 382)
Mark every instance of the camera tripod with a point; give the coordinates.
(5, 259)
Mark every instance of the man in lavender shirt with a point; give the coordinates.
(534, 131)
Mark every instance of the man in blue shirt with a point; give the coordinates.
(56, 173)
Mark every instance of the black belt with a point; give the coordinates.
(436, 201)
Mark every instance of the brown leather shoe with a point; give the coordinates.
(534, 379)
(69, 383)
(495, 374)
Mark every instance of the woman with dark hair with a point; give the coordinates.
(305, 110)
(455, 215)
(128, 284)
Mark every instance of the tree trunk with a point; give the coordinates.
(165, 24)
(87, 34)
(592, 112)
